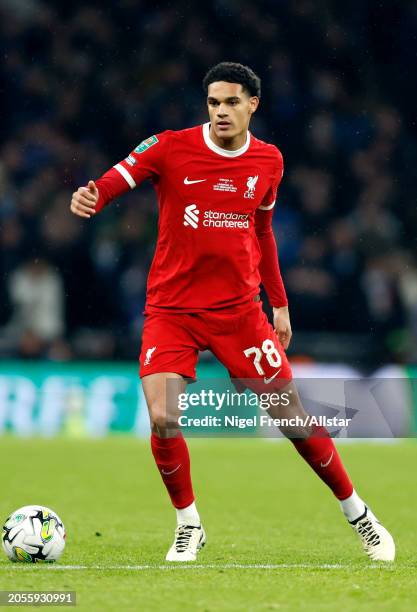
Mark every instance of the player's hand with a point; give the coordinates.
(84, 200)
(282, 325)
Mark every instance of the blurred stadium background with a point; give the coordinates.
(83, 83)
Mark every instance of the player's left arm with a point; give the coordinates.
(269, 266)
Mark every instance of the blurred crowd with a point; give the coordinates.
(84, 82)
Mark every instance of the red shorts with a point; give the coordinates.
(241, 338)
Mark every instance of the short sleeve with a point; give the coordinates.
(271, 195)
(146, 160)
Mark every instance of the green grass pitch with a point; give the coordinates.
(276, 537)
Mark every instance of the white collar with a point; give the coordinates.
(226, 153)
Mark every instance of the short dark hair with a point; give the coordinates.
(232, 72)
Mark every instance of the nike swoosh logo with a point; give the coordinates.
(268, 380)
(327, 463)
(188, 182)
(171, 472)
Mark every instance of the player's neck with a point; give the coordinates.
(229, 144)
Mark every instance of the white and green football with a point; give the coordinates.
(32, 534)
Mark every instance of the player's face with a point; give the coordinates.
(230, 109)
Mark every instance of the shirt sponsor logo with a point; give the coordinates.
(146, 144)
(251, 186)
(214, 218)
(191, 215)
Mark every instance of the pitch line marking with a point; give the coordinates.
(193, 566)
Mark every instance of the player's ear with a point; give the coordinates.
(253, 104)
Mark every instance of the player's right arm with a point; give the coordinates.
(84, 200)
(145, 161)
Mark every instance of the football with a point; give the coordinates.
(32, 534)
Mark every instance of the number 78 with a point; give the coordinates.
(271, 353)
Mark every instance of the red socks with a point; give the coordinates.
(320, 453)
(173, 461)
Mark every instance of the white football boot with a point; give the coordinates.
(188, 541)
(376, 540)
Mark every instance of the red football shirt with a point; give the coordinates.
(207, 254)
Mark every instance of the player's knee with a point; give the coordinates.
(158, 416)
(159, 419)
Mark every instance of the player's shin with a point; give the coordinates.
(316, 446)
(319, 451)
(173, 462)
